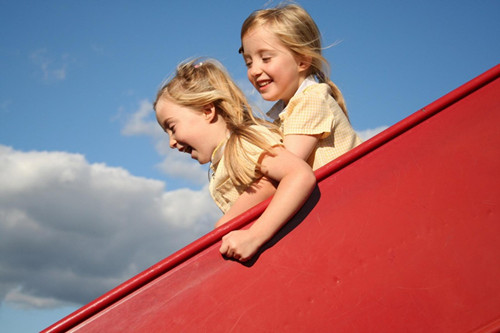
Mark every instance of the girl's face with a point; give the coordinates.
(271, 67)
(190, 131)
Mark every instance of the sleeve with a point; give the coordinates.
(310, 113)
(254, 153)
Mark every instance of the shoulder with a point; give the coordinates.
(315, 98)
(318, 90)
(313, 95)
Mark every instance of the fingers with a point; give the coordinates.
(224, 248)
(230, 249)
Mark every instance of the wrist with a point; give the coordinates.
(260, 232)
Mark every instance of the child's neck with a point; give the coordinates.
(303, 82)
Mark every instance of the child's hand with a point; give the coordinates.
(240, 245)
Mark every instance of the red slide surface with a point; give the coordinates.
(402, 234)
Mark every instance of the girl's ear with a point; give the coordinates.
(209, 112)
(305, 63)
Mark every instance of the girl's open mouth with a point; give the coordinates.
(186, 149)
(264, 83)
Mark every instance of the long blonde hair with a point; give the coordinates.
(297, 30)
(201, 82)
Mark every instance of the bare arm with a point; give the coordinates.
(262, 189)
(301, 145)
(296, 182)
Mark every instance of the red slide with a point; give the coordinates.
(402, 234)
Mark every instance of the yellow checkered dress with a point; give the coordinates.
(313, 111)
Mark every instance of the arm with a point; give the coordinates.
(301, 145)
(296, 182)
(258, 192)
(308, 119)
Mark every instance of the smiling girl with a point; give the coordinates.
(282, 51)
(207, 116)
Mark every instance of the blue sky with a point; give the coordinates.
(90, 193)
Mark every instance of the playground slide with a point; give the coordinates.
(402, 234)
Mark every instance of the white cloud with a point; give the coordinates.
(368, 133)
(143, 122)
(22, 300)
(51, 69)
(70, 230)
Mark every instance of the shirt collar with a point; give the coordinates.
(217, 154)
(280, 106)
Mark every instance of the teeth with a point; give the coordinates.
(263, 83)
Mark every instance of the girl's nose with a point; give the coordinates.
(254, 71)
(172, 142)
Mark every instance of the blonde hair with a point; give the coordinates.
(200, 82)
(299, 33)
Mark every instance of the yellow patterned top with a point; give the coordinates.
(221, 187)
(313, 111)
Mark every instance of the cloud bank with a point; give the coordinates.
(70, 230)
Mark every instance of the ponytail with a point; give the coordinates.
(337, 95)
(334, 90)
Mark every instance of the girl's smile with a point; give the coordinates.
(272, 69)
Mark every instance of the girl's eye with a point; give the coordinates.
(248, 63)
(266, 59)
(169, 129)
